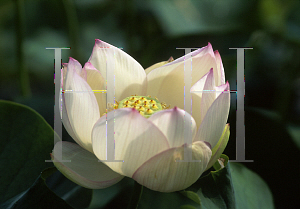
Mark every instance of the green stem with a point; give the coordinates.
(20, 26)
(136, 196)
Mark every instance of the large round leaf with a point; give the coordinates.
(26, 142)
(232, 186)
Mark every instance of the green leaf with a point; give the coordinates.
(26, 142)
(116, 196)
(152, 199)
(75, 195)
(191, 195)
(38, 196)
(250, 190)
(233, 187)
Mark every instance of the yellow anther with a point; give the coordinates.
(149, 111)
(137, 102)
(141, 108)
(154, 106)
(164, 106)
(152, 101)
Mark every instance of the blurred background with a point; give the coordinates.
(150, 31)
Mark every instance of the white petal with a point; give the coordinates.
(196, 92)
(220, 147)
(64, 114)
(162, 172)
(82, 110)
(209, 94)
(167, 82)
(97, 84)
(130, 77)
(220, 71)
(84, 168)
(136, 140)
(171, 123)
(215, 119)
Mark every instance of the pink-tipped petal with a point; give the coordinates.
(167, 82)
(171, 123)
(75, 65)
(81, 106)
(221, 73)
(136, 140)
(215, 119)
(84, 168)
(164, 174)
(130, 77)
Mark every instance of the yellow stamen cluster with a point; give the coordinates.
(144, 104)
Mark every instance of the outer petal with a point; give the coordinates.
(219, 148)
(130, 77)
(167, 82)
(82, 110)
(162, 172)
(84, 168)
(136, 140)
(97, 84)
(221, 74)
(171, 123)
(64, 114)
(215, 119)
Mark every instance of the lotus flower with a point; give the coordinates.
(148, 130)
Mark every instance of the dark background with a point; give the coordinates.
(150, 31)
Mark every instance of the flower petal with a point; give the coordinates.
(171, 123)
(163, 173)
(209, 94)
(84, 168)
(220, 71)
(157, 65)
(196, 92)
(81, 106)
(130, 77)
(136, 140)
(97, 84)
(64, 114)
(167, 82)
(215, 119)
(219, 148)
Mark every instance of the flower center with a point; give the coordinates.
(146, 105)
